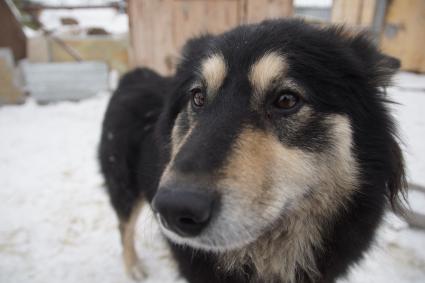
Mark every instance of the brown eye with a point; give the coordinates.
(287, 100)
(198, 97)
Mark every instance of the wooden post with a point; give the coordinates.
(151, 34)
(354, 12)
(403, 35)
(11, 33)
(258, 10)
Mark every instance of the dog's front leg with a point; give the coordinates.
(133, 265)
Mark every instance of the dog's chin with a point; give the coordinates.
(205, 243)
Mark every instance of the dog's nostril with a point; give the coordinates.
(185, 212)
(187, 221)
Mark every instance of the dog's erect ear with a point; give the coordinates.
(385, 67)
(193, 50)
(196, 45)
(378, 67)
(391, 62)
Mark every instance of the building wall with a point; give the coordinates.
(11, 34)
(403, 35)
(159, 28)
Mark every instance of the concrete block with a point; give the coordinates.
(50, 82)
(10, 91)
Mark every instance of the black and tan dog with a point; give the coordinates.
(270, 156)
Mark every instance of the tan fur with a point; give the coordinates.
(275, 199)
(133, 265)
(289, 245)
(177, 136)
(214, 71)
(264, 72)
(178, 139)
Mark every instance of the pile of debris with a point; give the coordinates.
(67, 56)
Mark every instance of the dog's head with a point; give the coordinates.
(270, 125)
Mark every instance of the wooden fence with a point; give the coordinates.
(159, 28)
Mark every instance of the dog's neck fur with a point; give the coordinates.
(279, 255)
(287, 252)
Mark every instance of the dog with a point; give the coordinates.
(269, 156)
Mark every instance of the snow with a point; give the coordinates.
(310, 3)
(75, 2)
(56, 224)
(316, 3)
(109, 19)
(313, 3)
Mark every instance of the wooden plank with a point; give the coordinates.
(10, 93)
(258, 10)
(359, 15)
(157, 40)
(354, 12)
(31, 7)
(112, 50)
(404, 35)
(151, 34)
(159, 28)
(367, 13)
(347, 11)
(192, 18)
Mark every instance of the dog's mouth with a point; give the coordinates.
(208, 240)
(228, 226)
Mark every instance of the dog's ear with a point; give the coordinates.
(194, 49)
(378, 67)
(384, 69)
(197, 45)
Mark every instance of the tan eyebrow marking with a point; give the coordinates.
(214, 70)
(263, 72)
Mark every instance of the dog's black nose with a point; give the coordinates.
(185, 212)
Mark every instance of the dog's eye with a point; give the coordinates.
(286, 100)
(198, 97)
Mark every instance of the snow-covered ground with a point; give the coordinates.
(56, 224)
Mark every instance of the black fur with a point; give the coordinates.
(342, 74)
(127, 137)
